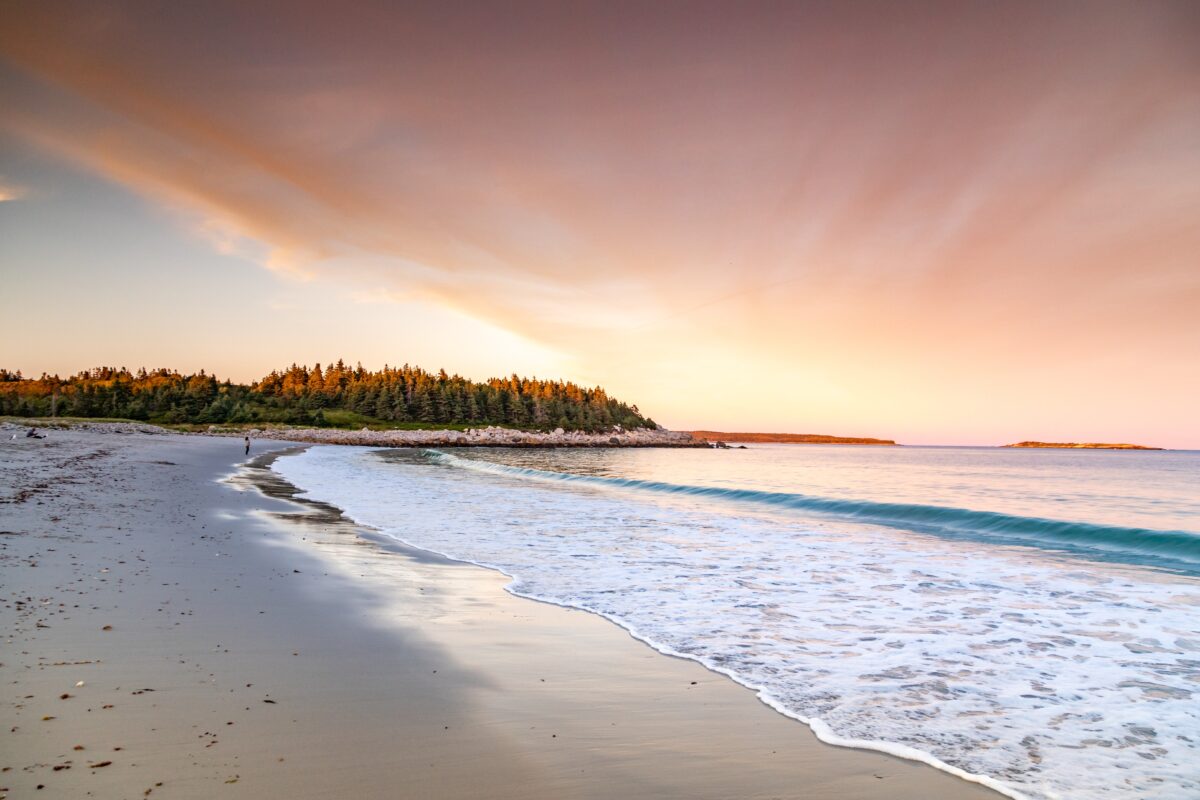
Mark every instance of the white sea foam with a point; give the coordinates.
(1040, 675)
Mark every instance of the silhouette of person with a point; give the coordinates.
(247, 445)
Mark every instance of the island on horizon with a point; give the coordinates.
(788, 438)
(1082, 446)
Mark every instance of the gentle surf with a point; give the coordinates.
(1024, 619)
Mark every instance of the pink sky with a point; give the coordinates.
(950, 223)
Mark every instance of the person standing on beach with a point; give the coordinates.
(247, 445)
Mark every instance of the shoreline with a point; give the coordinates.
(365, 437)
(485, 437)
(459, 689)
(278, 486)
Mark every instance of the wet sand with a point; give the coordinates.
(234, 644)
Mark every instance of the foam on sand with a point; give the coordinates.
(1041, 675)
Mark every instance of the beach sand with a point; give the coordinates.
(234, 644)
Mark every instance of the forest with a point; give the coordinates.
(334, 396)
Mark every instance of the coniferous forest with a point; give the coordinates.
(337, 395)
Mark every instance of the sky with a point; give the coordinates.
(954, 223)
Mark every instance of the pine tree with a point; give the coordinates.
(425, 412)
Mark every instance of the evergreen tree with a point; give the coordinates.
(297, 394)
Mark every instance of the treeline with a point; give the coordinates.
(335, 395)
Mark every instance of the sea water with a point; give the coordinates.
(1026, 618)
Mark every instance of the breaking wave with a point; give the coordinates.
(1141, 545)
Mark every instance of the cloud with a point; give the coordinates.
(11, 191)
(934, 195)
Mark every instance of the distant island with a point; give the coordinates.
(1083, 446)
(787, 438)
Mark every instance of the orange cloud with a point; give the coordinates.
(10, 192)
(874, 198)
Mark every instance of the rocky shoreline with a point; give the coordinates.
(482, 437)
(475, 437)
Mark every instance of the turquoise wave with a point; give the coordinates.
(1177, 549)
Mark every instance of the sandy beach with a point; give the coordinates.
(177, 628)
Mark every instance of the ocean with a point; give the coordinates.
(1029, 619)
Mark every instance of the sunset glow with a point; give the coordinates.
(964, 223)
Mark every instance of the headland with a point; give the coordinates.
(788, 438)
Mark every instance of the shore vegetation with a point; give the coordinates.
(337, 396)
